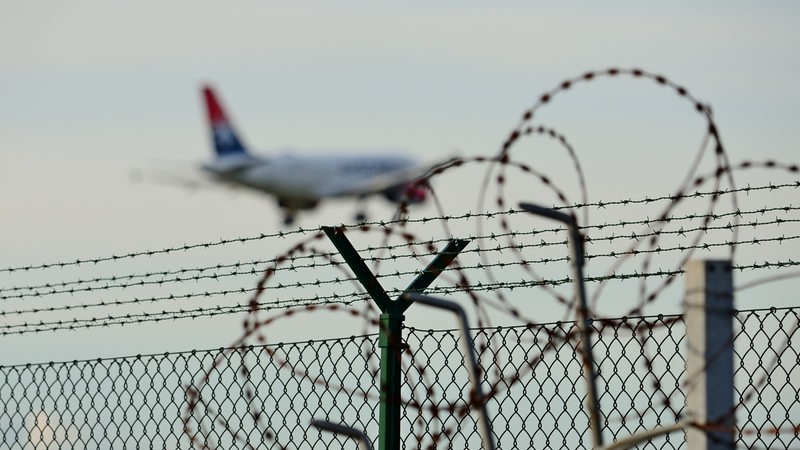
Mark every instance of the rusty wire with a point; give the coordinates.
(651, 253)
(645, 245)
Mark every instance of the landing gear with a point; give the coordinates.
(361, 212)
(290, 208)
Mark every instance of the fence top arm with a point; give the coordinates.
(363, 440)
(638, 438)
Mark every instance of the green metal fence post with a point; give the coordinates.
(390, 340)
(390, 335)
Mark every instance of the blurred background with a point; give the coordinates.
(92, 92)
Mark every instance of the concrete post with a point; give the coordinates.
(709, 355)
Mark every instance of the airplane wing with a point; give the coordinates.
(167, 178)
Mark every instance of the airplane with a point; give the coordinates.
(300, 182)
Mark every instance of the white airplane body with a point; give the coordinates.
(302, 181)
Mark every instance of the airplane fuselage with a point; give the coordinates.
(306, 178)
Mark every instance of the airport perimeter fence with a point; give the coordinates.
(260, 393)
(511, 269)
(141, 401)
(264, 394)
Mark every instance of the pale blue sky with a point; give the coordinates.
(90, 90)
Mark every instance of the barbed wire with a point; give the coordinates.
(486, 282)
(382, 223)
(721, 178)
(292, 302)
(219, 271)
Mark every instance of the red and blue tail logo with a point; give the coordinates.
(226, 142)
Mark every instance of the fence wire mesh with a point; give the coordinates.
(514, 273)
(146, 401)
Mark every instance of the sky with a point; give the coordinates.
(91, 91)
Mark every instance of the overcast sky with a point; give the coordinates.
(90, 91)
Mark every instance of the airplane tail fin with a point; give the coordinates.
(226, 141)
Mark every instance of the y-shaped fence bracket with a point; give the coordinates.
(390, 337)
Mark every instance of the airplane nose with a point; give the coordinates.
(415, 193)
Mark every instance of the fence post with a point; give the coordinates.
(578, 259)
(709, 355)
(390, 333)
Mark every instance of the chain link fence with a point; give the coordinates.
(265, 396)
